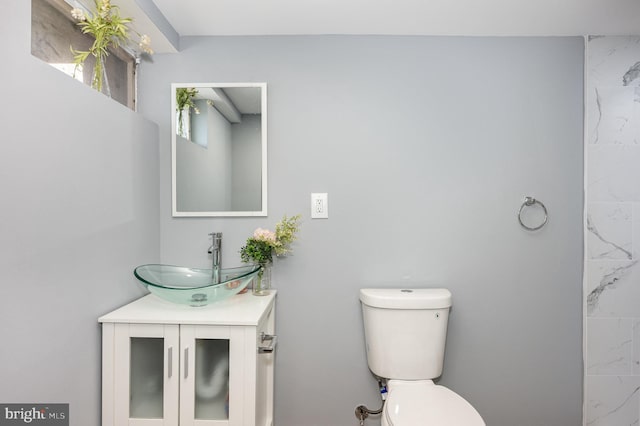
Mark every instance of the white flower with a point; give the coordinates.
(105, 8)
(145, 44)
(264, 235)
(78, 14)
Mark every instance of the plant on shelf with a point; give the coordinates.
(184, 101)
(109, 31)
(264, 244)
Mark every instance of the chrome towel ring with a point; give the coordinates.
(528, 202)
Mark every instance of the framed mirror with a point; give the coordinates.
(219, 149)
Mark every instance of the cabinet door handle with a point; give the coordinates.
(272, 338)
(170, 361)
(186, 362)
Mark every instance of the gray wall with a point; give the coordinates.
(79, 188)
(202, 167)
(247, 153)
(216, 169)
(426, 146)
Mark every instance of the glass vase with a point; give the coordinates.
(99, 80)
(262, 281)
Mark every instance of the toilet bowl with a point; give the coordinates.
(405, 332)
(423, 403)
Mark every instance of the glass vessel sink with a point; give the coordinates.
(195, 287)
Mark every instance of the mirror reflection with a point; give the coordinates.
(219, 148)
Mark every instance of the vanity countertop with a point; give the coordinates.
(241, 309)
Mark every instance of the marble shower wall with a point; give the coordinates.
(612, 270)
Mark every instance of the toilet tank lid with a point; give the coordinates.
(405, 298)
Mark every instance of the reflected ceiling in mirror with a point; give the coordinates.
(219, 149)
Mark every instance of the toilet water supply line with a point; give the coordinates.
(363, 412)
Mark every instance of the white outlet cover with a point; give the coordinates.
(319, 205)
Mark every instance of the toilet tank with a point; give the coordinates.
(405, 331)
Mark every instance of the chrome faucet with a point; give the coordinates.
(216, 251)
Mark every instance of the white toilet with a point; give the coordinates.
(405, 332)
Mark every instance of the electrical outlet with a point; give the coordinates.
(319, 205)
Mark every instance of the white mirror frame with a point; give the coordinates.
(263, 95)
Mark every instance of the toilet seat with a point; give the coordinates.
(423, 403)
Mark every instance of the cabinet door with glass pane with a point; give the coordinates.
(146, 374)
(205, 368)
(211, 375)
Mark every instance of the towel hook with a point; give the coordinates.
(528, 202)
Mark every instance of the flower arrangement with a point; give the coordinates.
(264, 243)
(109, 30)
(184, 100)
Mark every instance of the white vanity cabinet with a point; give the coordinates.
(165, 364)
